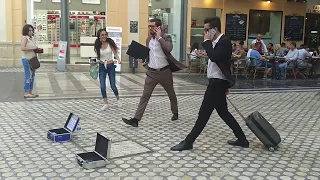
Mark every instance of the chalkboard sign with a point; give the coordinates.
(236, 27)
(293, 28)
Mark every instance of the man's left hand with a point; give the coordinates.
(159, 32)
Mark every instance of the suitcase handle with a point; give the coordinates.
(236, 109)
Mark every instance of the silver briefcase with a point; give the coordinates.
(99, 157)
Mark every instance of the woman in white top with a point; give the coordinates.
(28, 47)
(105, 49)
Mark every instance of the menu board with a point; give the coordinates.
(236, 27)
(293, 28)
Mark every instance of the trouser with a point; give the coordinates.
(215, 98)
(111, 71)
(165, 79)
(28, 76)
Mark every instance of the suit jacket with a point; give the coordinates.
(166, 45)
(221, 54)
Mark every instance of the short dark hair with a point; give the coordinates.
(25, 29)
(271, 44)
(214, 22)
(241, 43)
(157, 21)
(294, 44)
(283, 44)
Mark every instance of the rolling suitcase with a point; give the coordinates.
(261, 128)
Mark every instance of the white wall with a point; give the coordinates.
(3, 20)
(275, 27)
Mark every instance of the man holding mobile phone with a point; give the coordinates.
(219, 50)
(160, 65)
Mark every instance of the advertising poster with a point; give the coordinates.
(115, 33)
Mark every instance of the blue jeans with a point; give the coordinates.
(111, 71)
(28, 76)
(282, 67)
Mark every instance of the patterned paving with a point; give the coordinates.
(53, 85)
(259, 84)
(143, 153)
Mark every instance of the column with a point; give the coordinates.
(16, 14)
(117, 16)
(143, 20)
(133, 19)
(183, 32)
(3, 25)
(65, 34)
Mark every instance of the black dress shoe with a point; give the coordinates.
(244, 144)
(182, 146)
(132, 122)
(174, 117)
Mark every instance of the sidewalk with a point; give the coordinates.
(143, 152)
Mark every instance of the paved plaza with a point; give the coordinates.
(144, 152)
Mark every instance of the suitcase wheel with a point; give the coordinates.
(271, 149)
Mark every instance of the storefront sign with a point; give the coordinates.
(115, 33)
(90, 1)
(62, 53)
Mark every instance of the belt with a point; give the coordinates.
(161, 69)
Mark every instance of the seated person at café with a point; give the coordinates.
(234, 49)
(317, 52)
(241, 52)
(277, 51)
(270, 49)
(260, 61)
(291, 59)
(303, 56)
(284, 50)
(249, 50)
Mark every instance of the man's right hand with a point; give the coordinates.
(140, 60)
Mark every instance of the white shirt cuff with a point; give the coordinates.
(159, 38)
(206, 40)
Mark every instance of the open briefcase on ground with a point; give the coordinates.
(97, 158)
(64, 134)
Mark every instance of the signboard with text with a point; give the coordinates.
(115, 33)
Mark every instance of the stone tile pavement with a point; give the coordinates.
(55, 85)
(143, 153)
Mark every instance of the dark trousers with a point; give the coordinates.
(215, 98)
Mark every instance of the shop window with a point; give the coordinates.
(169, 12)
(46, 20)
(197, 17)
(266, 23)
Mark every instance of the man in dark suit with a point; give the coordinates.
(219, 50)
(160, 66)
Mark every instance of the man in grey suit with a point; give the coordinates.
(160, 65)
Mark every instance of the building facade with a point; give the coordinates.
(132, 16)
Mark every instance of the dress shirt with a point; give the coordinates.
(213, 70)
(303, 54)
(157, 57)
(292, 55)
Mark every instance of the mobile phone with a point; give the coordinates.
(92, 60)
